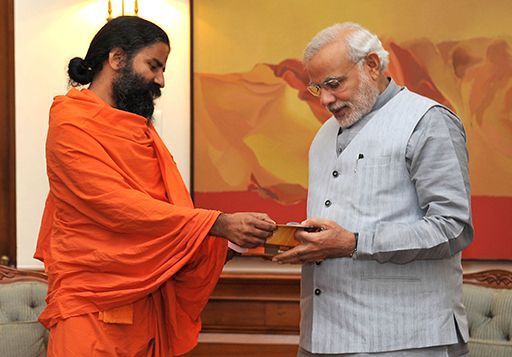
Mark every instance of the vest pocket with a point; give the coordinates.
(376, 161)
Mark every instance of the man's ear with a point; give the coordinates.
(116, 58)
(373, 64)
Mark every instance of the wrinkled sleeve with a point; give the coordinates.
(437, 160)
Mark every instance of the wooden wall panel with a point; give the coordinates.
(254, 303)
(245, 350)
(7, 134)
(251, 315)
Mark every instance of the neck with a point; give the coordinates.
(102, 87)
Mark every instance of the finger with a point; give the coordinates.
(248, 241)
(292, 256)
(265, 217)
(290, 260)
(258, 241)
(264, 225)
(263, 221)
(302, 236)
(262, 216)
(287, 254)
(259, 234)
(285, 258)
(307, 236)
(318, 222)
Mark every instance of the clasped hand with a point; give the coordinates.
(330, 241)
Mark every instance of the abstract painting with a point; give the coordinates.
(254, 120)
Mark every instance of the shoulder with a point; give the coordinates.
(69, 121)
(328, 129)
(416, 98)
(437, 116)
(441, 119)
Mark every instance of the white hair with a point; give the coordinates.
(360, 42)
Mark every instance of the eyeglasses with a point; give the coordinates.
(330, 84)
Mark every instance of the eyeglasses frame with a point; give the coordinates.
(316, 88)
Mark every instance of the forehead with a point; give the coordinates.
(158, 50)
(330, 60)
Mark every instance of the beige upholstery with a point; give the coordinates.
(487, 297)
(22, 298)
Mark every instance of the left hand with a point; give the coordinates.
(332, 241)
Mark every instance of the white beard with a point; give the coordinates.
(360, 105)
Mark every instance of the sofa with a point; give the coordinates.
(22, 298)
(487, 296)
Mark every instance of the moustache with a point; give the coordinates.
(155, 90)
(334, 107)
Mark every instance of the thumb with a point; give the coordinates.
(317, 222)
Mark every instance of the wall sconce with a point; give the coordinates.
(121, 11)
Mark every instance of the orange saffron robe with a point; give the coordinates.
(119, 225)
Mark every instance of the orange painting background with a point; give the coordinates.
(253, 126)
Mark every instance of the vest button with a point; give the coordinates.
(328, 203)
(335, 173)
(318, 291)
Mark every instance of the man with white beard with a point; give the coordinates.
(389, 190)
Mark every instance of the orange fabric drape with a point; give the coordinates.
(119, 223)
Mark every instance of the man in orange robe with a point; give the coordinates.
(130, 261)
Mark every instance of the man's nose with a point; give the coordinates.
(326, 97)
(159, 79)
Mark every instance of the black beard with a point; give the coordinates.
(132, 93)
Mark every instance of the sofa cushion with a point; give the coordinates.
(489, 316)
(22, 301)
(21, 334)
(23, 339)
(485, 348)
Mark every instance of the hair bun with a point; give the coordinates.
(79, 71)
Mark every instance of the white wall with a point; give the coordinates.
(47, 35)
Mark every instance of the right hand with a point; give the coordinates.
(328, 240)
(246, 229)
